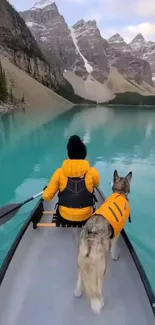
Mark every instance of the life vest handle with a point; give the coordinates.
(129, 219)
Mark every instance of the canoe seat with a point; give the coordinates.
(40, 212)
(69, 224)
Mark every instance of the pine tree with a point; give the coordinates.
(23, 99)
(34, 74)
(3, 85)
(1, 90)
(11, 95)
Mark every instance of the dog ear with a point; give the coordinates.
(129, 176)
(115, 175)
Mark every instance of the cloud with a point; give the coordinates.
(128, 32)
(73, 2)
(146, 28)
(119, 9)
(104, 9)
(145, 8)
(80, 1)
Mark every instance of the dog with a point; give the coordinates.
(99, 237)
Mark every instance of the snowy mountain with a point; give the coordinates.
(96, 50)
(81, 57)
(91, 47)
(54, 38)
(60, 44)
(138, 43)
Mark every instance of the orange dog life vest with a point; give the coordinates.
(116, 209)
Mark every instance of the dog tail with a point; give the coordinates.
(89, 277)
(96, 305)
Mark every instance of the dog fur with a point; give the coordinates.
(94, 246)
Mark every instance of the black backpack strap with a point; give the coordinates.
(94, 196)
(130, 219)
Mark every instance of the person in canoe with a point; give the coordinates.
(75, 182)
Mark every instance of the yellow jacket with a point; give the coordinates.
(58, 182)
(116, 209)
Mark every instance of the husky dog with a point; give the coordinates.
(94, 246)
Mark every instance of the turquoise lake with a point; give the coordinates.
(33, 145)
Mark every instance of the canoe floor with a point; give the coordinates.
(38, 286)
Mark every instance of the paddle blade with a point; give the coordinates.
(8, 212)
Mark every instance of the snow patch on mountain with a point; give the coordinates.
(117, 42)
(41, 4)
(43, 39)
(31, 24)
(87, 65)
(116, 38)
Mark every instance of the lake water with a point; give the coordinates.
(117, 138)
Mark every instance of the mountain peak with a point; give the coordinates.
(93, 22)
(43, 4)
(79, 23)
(86, 24)
(139, 37)
(116, 38)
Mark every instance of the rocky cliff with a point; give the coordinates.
(144, 50)
(134, 68)
(138, 48)
(118, 43)
(27, 64)
(18, 44)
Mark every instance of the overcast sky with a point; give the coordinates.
(127, 17)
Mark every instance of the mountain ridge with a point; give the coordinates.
(81, 61)
(140, 48)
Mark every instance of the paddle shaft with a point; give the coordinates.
(32, 198)
(21, 204)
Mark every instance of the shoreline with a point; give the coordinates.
(112, 105)
(8, 107)
(127, 105)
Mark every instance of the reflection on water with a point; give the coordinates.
(121, 139)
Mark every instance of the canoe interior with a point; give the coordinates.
(39, 283)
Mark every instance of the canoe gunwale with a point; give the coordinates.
(16, 242)
(131, 249)
(141, 272)
(138, 265)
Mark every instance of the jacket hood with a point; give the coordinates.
(75, 168)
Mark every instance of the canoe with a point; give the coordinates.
(39, 275)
